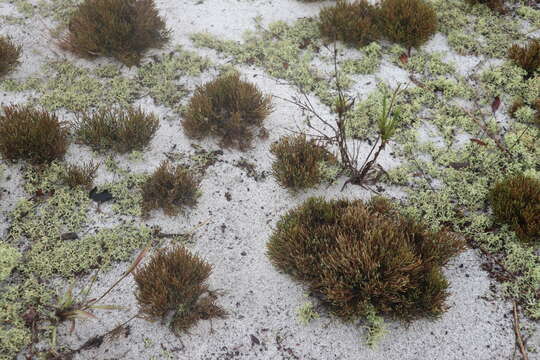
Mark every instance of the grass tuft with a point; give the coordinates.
(30, 134)
(80, 175)
(118, 129)
(228, 108)
(173, 283)
(169, 188)
(123, 29)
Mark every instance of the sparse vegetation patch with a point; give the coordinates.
(9, 55)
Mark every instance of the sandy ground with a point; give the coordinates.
(262, 303)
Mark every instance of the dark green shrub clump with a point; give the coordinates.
(526, 57)
(174, 282)
(354, 23)
(121, 130)
(9, 55)
(407, 22)
(31, 134)
(123, 29)
(298, 162)
(516, 201)
(170, 188)
(227, 108)
(358, 256)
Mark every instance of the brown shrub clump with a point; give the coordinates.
(526, 57)
(80, 175)
(117, 129)
(408, 22)
(516, 201)
(170, 188)
(298, 162)
(123, 29)
(174, 282)
(354, 23)
(9, 55)
(31, 134)
(358, 256)
(495, 5)
(227, 108)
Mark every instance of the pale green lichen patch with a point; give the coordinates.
(476, 30)
(161, 76)
(9, 258)
(306, 313)
(284, 51)
(367, 64)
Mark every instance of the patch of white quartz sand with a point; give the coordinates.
(261, 302)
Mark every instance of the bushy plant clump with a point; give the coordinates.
(228, 108)
(117, 129)
(527, 57)
(358, 257)
(122, 29)
(30, 134)
(9, 55)
(170, 188)
(516, 201)
(80, 175)
(409, 23)
(354, 23)
(298, 162)
(174, 282)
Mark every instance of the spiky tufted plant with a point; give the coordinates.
(516, 201)
(527, 57)
(355, 23)
(123, 29)
(407, 22)
(31, 134)
(173, 283)
(358, 256)
(228, 108)
(9, 55)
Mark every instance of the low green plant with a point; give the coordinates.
(228, 108)
(306, 313)
(516, 201)
(361, 256)
(169, 188)
(297, 163)
(9, 55)
(409, 23)
(527, 57)
(354, 23)
(31, 134)
(119, 129)
(123, 29)
(174, 282)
